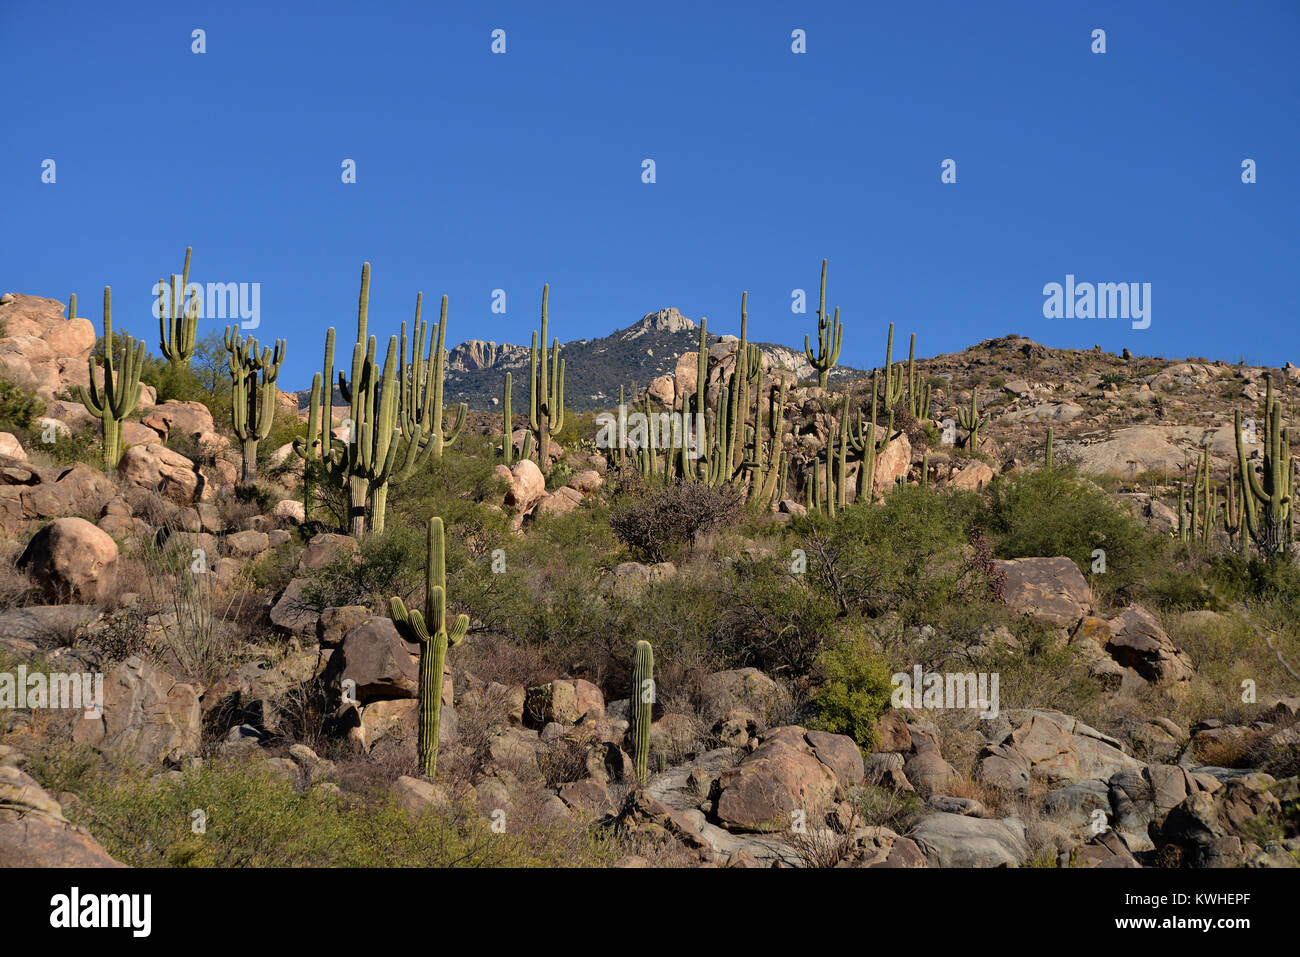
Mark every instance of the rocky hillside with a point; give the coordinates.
(1104, 661)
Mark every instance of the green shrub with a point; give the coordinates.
(856, 692)
(255, 819)
(19, 409)
(1045, 513)
(907, 555)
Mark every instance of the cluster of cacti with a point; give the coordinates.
(320, 424)
(421, 382)
(830, 336)
(640, 710)
(545, 389)
(897, 383)
(738, 440)
(117, 397)
(386, 439)
(431, 633)
(1197, 513)
(252, 402)
(826, 484)
(969, 418)
(1266, 499)
(178, 321)
(1234, 506)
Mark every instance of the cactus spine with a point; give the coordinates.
(970, 420)
(1267, 500)
(117, 397)
(252, 407)
(545, 390)
(415, 628)
(178, 330)
(830, 336)
(643, 698)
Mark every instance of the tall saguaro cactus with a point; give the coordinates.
(422, 383)
(830, 336)
(643, 698)
(368, 460)
(252, 405)
(320, 422)
(431, 633)
(545, 389)
(178, 320)
(117, 397)
(1267, 499)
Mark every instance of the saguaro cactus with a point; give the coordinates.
(117, 397)
(252, 404)
(830, 336)
(545, 390)
(320, 422)
(970, 420)
(508, 428)
(643, 698)
(1267, 501)
(422, 383)
(431, 633)
(368, 460)
(177, 329)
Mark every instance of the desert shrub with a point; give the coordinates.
(770, 619)
(855, 691)
(656, 520)
(388, 564)
(1045, 513)
(19, 408)
(886, 807)
(255, 819)
(908, 555)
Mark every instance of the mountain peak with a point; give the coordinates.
(665, 320)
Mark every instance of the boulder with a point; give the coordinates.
(1049, 589)
(955, 840)
(527, 485)
(11, 447)
(745, 688)
(781, 776)
(189, 419)
(72, 560)
(289, 613)
(147, 716)
(1137, 641)
(377, 659)
(34, 832)
(157, 468)
(41, 350)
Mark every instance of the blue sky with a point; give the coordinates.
(478, 171)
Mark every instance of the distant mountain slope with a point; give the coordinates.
(594, 368)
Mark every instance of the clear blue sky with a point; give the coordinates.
(479, 171)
